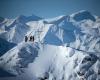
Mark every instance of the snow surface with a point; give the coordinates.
(65, 47)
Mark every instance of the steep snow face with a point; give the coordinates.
(39, 29)
(52, 62)
(15, 34)
(15, 30)
(19, 57)
(83, 34)
(60, 34)
(64, 63)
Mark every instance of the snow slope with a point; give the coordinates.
(65, 47)
(83, 34)
(15, 30)
(17, 57)
(52, 62)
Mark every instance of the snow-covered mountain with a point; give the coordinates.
(65, 47)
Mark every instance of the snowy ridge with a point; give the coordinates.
(17, 57)
(53, 64)
(65, 47)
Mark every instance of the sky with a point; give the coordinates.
(47, 8)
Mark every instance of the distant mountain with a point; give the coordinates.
(65, 48)
(82, 35)
(24, 19)
(82, 15)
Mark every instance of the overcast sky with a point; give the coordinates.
(47, 8)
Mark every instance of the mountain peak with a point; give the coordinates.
(34, 17)
(24, 19)
(21, 17)
(82, 15)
